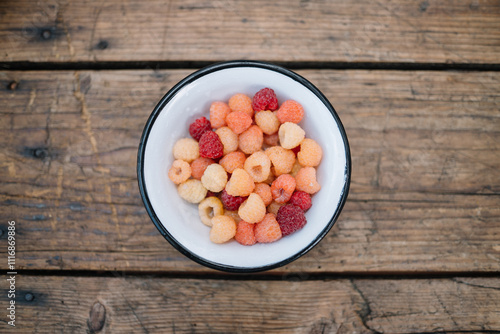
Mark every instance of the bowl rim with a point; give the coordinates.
(166, 99)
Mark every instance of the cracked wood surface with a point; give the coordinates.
(425, 196)
(387, 31)
(153, 304)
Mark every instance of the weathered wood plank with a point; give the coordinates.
(425, 194)
(161, 305)
(179, 30)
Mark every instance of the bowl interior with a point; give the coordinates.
(180, 219)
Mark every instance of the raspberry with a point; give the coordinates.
(223, 229)
(240, 183)
(291, 135)
(232, 161)
(233, 214)
(209, 208)
(245, 234)
(253, 209)
(214, 178)
(282, 159)
(272, 139)
(199, 127)
(231, 203)
(179, 172)
(290, 111)
(241, 102)
(267, 121)
(306, 180)
(295, 168)
(291, 218)
(268, 230)
(211, 145)
(265, 99)
(264, 191)
(218, 113)
(274, 207)
(310, 153)
(238, 121)
(198, 167)
(228, 138)
(192, 191)
(251, 140)
(282, 188)
(301, 199)
(258, 166)
(186, 149)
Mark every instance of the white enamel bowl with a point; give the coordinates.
(178, 220)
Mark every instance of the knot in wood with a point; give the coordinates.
(13, 85)
(97, 317)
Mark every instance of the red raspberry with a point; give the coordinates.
(199, 127)
(231, 203)
(301, 199)
(211, 146)
(265, 99)
(291, 218)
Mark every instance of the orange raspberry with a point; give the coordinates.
(232, 161)
(267, 121)
(264, 191)
(282, 188)
(179, 172)
(291, 135)
(241, 102)
(245, 233)
(218, 113)
(310, 153)
(228, 138)
(223, 229)
(290, 111)
(306, 180)
(258, 166)
(198, 167)
(238, 121)
(251, 140)
(240, 184)
(282, 159)
(268, 230)
(253, 209)
(272, 140)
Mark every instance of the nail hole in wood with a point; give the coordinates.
(46, 34)
(102, 45)
(29, 297)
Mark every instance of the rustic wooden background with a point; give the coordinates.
(416, 84)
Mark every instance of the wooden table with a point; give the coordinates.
(416, 84)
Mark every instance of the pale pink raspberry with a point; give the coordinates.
(232, 161)
(282, 159)
(306, 180)
(241, 102)
(310, 153)
(290, 111)
(282, 188)
(238, 121)
(253, 209)
(264, 191)
(228, 138)
(198, 167)
(179, 172)
(267, 121)
(240, 184)
(251, 140)
(223, 229)
(218, 113)
(267, 230)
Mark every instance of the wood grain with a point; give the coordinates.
(425, 194)
(163, 305)
(405, 31)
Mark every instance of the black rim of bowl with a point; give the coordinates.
(164, 101)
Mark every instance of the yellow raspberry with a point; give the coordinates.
(310, 153)
(290, 111)
(218, 113)
(214, 178)
(306, 180)
(291, 135)
(282, 159)
(264, 191)
(223, 229)
(209, 208)
(240, 183)
(228, 138)
(241, 102)
(252, 210)
(251, 140)
(232, 161)
(186, 149)
(192, 191)
(258, 166)
(267, 121)
(179, 172)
